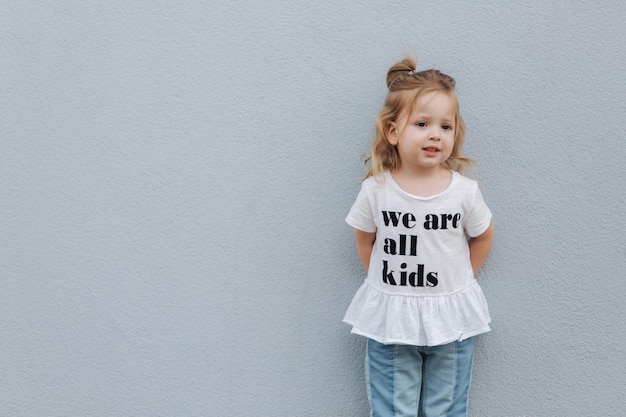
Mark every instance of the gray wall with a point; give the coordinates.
(175, 175)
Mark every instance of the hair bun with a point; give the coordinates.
(399, 70)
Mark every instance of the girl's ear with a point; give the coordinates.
(392, 133)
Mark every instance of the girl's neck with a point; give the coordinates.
(423, 183)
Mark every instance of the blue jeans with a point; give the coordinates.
(419, 381)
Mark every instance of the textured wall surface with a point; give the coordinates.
(174, 178)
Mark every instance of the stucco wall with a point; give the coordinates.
(174, 178)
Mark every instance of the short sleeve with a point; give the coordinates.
(479, 217)
(361, 214)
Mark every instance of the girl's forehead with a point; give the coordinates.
(434, 101)
(434, 97)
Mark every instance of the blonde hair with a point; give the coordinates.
(406, 86)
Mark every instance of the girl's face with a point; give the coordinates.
(425, 137)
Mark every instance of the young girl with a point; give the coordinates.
(422, 232)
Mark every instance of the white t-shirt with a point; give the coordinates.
(420, 288)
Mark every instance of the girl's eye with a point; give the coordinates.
(446, 127)
(421, 124)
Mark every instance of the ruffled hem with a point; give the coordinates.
(418, 320)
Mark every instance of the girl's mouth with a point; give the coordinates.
(431, 151)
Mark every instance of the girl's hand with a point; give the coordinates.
(479, 247)
(364, 246)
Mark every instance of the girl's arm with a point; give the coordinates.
(364, 246)
(479, 247)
